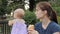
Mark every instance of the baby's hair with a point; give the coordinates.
(20, 11)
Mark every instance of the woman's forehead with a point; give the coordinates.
(37, 8)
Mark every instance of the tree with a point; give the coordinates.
(6, 8)
(3, 7)
(33, 3)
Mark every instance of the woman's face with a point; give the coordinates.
(39, 13)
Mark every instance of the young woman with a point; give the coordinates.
(18, 24)
(48, 19)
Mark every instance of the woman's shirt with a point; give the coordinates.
(51, 28)
(19, 27)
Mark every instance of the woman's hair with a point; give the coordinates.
(50, 12)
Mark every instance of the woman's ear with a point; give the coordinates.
(45, 12)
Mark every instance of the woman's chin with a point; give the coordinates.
(39, 17)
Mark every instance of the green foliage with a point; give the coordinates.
(55, 3)
(6, 8)
(56, 6)
(57, 9)
(58, 19)
(3, 6)
(58, 13)
(30, 17)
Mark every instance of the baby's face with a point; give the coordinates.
(18, 13)
(15, 14)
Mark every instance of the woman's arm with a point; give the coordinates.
(56, 33)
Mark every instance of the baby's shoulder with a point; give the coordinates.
(19, 20)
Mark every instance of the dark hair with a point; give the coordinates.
(50, 12)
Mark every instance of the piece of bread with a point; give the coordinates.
(31, 30)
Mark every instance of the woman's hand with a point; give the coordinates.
(31, 30)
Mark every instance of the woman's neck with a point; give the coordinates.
(45, 21)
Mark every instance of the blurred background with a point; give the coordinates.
(8, 6)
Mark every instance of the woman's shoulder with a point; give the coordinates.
(38, 23)
(55, 27)
(19, 20)
(37, 26)
(54, 24)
